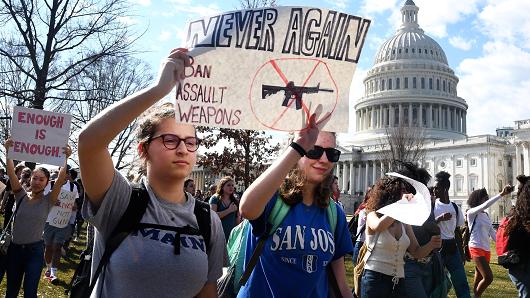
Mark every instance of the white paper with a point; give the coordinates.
(59, 215)
(264, 68)
(39, 136)
(414, 212)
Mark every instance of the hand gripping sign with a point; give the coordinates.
(263, 68)
(39, 135)
(414, 212)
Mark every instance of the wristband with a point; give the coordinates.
(298, 149)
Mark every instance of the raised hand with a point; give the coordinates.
(8, 143)
(308, 136)
(172, 70)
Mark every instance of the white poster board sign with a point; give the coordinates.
(59, 215)
(269, 68)
(39, 136)
(414, 212)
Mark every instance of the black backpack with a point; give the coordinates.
(80, 285)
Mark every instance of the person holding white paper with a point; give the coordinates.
(26, 251)
(384, 274)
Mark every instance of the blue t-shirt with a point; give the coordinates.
(229, 221)
(294, 259)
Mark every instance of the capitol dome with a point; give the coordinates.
(411, 85)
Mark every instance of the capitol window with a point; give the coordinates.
(430, 83)
(444, 85)
(398, 83)
(419, 51)
(389, 84)
(459, 162)
(459, 181)
(438, 84)
(382, 84)
(473, 182)
(414, 83)
(473, 162)
(422, 83)
(406, 83)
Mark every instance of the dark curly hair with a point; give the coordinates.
(475, 198)
(293, 185)
(386, 191)
(443, 179)
(412, 171)
(521, 213)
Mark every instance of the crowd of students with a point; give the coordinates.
(154, 239)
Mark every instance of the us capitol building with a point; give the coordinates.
(411, 85)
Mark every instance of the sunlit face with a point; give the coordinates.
(164, 162)
(316, 170)
(228, 188)
(38, 181)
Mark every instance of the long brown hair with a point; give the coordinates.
(291, 190)
(521, 213)
(221, 185)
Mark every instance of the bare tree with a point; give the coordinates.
(402, 144)
(47, 43)
(98, 86)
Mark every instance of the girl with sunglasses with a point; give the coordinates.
(295, 258)
(146, 263)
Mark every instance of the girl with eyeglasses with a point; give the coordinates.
(296, 257)
(147, 264)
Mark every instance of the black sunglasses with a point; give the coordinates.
(172, 141)
(332, 154)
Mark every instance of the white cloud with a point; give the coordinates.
(433, 16)
(192, 11)
(142, 2)
(340, 4)
(495, 87)
(356, 92)
(462, 43)
(507, 21)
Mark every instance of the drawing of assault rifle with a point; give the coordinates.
(291, 92)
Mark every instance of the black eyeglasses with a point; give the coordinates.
(332, 154)
(171, 142)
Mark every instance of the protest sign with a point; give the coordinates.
(269, 68)
(60, 214)
(414, 212)
(39, 136)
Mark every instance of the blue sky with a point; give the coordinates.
(487, 43)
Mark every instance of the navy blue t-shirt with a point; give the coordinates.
(295, 258)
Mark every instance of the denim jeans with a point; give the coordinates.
(418, 279)
(356, 249)
(379, 285)
(453, 263)
(24, 261)
(520, 276)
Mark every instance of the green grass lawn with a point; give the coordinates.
(500, 288)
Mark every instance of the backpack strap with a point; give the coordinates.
(132, 216)
(456, 211)
(331, 211)
(202, 214)
(278, 214)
